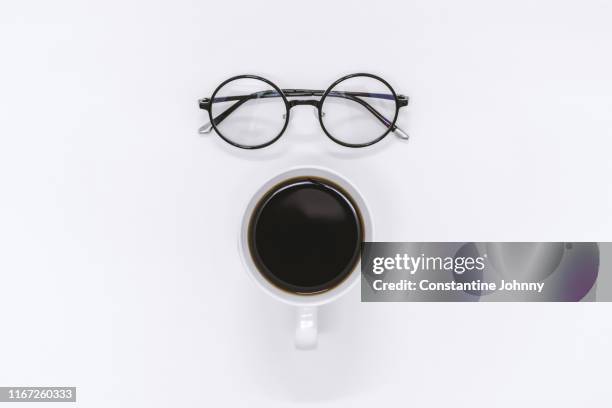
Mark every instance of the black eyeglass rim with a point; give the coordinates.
(400, 101)
(344, 78)
(276, 88)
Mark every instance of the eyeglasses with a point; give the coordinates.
(251, 112)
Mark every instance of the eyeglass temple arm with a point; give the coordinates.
(353, 96)
(205, 103)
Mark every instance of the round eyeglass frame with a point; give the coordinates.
(358, 145)
(276, 88)
(318, 104)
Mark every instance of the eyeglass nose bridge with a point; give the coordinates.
(311, 102)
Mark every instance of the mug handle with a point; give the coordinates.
(306, 328)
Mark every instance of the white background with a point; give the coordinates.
(118, 223)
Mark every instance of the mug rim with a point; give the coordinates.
(295, 299)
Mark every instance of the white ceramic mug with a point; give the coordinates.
(306, 304)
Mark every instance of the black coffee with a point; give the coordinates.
(305, 235)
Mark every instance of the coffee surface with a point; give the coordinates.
(305, 236)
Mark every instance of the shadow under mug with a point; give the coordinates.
(305, 304)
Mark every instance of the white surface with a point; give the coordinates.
(118, 222)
